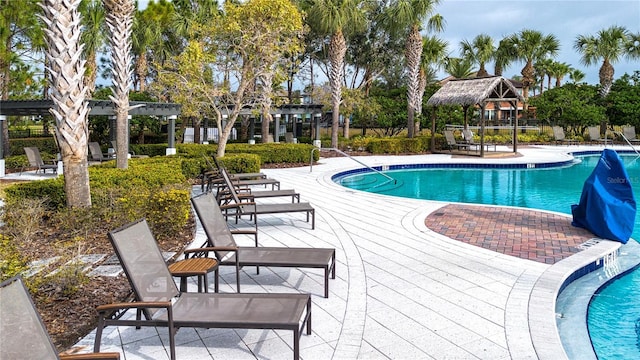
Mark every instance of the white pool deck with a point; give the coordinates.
(401, 292)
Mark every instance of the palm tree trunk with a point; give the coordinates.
(413, 52)
(337, 51)
(606, 77)
(120, 20)
(70, 108)
(141, 71)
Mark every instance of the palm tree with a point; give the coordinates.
(503, 56)
(610, 45)
(531, 46)
(434, 51)
(576, 76)
(479, 51)
(459, 68)
(408, 16)
(333, 18)
(543, 69)
(559, 70)
(120, 20)
(70, 109)
(145, 33)
(93, 29)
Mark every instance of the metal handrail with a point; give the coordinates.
(352, 158)
(628, 142)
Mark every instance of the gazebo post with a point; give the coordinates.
(515, 127)
(433, 130)
(482, 107)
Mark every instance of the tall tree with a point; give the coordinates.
(459, 68)
(559, 70)
(119, 20)
(19, 32)
(503, 56)
(407, 16)
(273, 30)
(480, 51)
(531, 46)
(608, 45)
(576, 76)
(70, 108)
(334, 18)
(434, 51)
(93, 38)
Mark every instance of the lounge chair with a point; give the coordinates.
(252, 209)
(35, 161)
(213, 178)
(22, 332)
(158, 302)
(594, 135)
(453, 144)
(629, 133)
(220, 240)
(96, 153)
(559, 137)
(468, 137)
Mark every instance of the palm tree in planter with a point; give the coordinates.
(68, 92)
(119, 21)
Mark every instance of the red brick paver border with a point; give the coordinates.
(528, 234)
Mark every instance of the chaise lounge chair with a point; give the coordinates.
(453, 144)
(213, 178)
(97, 155)
(559, 137)
(22, 332)
(35, 160)
(594, 135)
(158, 302)
(252, 209)
(629, 133)
(220, 241)
(468, 137)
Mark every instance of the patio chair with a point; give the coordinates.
(35, 161)
(629, 133)
(453, 144)
(252, 209)
(22, 332)
(220, 241)
(96, 153)
(594, 135)
(158, 302)
(468, 137)
(559, 137)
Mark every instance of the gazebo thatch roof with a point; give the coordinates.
(475, 91)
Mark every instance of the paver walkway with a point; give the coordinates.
(534, 235)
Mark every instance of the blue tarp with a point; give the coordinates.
(607, 206)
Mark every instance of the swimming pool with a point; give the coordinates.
(549, 188)
(556, 189)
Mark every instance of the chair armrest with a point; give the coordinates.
(209, 249)
(91, 356)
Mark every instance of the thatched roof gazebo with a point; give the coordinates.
(477, 91)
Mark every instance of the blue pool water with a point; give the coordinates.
(614, 313)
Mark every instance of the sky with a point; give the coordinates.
(566, 19)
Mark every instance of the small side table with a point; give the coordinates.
(199, 267)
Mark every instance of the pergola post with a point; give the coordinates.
(171, 150)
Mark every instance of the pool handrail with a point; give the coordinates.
(354, 159)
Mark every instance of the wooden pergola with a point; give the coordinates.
(477, 92)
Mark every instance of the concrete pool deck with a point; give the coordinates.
(402, 291)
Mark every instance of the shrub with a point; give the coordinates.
(11, 261)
